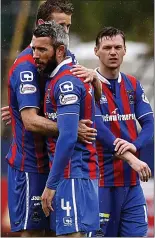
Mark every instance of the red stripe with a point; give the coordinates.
(90, 148)
(129, 123)
(115, 129)
(23, 153)
(20, 60)
(101, 162)
(126, 107)
(39, 151)
(67, 170)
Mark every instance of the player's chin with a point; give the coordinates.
(113, 66)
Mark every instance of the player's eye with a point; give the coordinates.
(118, 47)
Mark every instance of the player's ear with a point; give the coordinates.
(40, 22)
(124, 49)
(60, 51)
(96, 50)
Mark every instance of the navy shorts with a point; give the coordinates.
(76, 206)
(24, 191)
(123, 212)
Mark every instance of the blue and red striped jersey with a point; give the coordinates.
(28, 150)
(120, 108)
(68, 95)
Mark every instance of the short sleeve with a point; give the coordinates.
(142, 106)
(25, 84)
(68, 93)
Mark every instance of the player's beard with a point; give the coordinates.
(51, 64)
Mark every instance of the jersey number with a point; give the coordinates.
(67, 208)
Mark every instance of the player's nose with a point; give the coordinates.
(35, 54)
(113, 51)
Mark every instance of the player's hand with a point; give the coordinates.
(141, 168)
(5, 114)
(46, 201)
(85, 133)
(121, 146)
(83, 72)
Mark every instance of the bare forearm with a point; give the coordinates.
(97, 87)
(41, 125)
(127, 156)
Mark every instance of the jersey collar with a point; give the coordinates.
(104, 80)
(67, 60)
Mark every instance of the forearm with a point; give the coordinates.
(44, 126)
(97, 87)
(35, 123)
(127, 156)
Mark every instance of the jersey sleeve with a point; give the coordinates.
(68, 93)
(142, 106)
(25, 85)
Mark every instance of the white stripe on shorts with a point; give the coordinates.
(90, 234)
(145, 213)
(27, 200)
(74, 206)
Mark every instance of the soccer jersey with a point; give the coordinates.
(119, 107)
(26, 90)
(68, 95)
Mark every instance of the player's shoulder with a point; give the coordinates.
(25, 57)
(130, 78)
(27, 53)
(24, 62)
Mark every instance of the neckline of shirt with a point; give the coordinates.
(104, 80)
(67, 60)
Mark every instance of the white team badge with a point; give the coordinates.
(27, 89)
(68, 99)
(26, 76)
(66, 87)
(103, 99)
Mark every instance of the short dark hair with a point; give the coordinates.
(50, 6)
(53, 30)
(109, 32)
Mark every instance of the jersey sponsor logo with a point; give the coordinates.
(103, 99)
(26, 76)
(104, 217)
(66, 87)
(144, 98)
(27, 88)
(51, 115)
(68, 99)
(118, 117)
